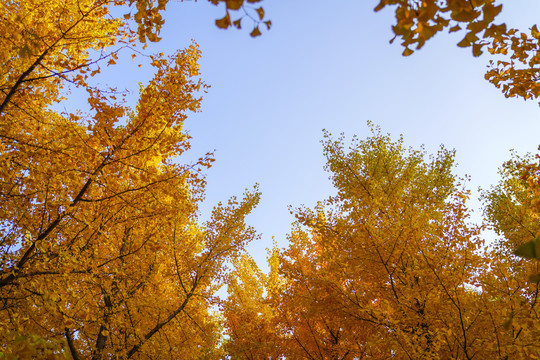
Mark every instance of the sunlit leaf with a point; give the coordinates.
(224, 22)
(234, 4)
(407, 52)
(256, 32)
(260, 12)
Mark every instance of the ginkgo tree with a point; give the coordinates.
(389, 267)
(249, 318)
(514, 68)
(409, 255)
(512, 211)
(102, 254)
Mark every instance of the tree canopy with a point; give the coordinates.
(101, 249)
(390, 267)
(103, 254)
(516, 53)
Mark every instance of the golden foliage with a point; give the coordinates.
(517, 53)
(101, 251)
(387, 268)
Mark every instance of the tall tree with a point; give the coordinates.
(511, 206)
(390, 268)
(387, 266)
(101, 251)
(249, 319)
(512, 211)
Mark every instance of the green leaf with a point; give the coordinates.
(508, 322)
(529, 250)
(25, 51)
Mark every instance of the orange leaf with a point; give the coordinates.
(407, 52)
(260, 11)
(256, 32)
(234, 4)
(224, 23)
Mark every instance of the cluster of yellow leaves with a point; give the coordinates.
(516, 70)
(248, 316)
(419, 20)
(512, 208)
(46, 43)
(256, 15)
(388, 268)
(101, 251)
(515, 200)
(32, 347)
(517, 75)
(102, 254)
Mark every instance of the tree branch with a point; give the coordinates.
(72, 349)
(158, 327)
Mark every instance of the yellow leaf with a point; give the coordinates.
(256, 32)
(260, 11)
(454, 29)
(535, 33)
(25, 51)
(407, 52)
(491, 11)
(234, 4)
(477, 50)
(464, 43)
(224, 22)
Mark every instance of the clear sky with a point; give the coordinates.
(329, 65)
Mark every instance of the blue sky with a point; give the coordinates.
(329, 65)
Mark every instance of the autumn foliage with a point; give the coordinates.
(101, 252)
(103, 255)
(389, 267)
(516, 53)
